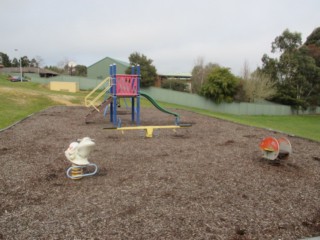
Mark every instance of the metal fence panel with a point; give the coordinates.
(190, 100)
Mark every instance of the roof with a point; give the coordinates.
(176, 75)
(116, 61)
(100, 69)
(27, 70)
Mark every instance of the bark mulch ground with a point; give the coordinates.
(204, 182)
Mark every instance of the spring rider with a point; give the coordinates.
(77, 154)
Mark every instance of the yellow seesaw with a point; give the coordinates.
(149, 129)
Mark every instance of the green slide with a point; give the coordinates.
(159, 107)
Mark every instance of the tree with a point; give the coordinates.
(200, 74)
(33, 63)
(288, 41)
(197, 76)
(62, 66)
(5, 60)
(295, 72)
(39, 61)
(313, 45)
(221, 86)
(15, 62)
(256, 85)
(25, 62)
(81, 70)
(314, 38)
(147, 70)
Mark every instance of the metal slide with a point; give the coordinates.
(154, 103)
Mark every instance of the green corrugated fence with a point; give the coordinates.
(187, 99)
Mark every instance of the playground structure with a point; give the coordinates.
(275, 149)
(77, 153)
(118, 86)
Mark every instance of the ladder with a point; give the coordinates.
(90, 100)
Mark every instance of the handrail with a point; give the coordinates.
(88, 102)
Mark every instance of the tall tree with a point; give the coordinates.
(199, 75)
(5, 60)
(313, 45)
(25, 62)
(33, 63)
(15, 62)
(255, 86)
(39, 61)
(313, 49)
(295, 72)
(288, 41)
(314, 37)
(221, 86)
(148, 71)
(81, 70)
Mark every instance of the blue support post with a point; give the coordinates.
(114, 86)
(132, 110)
(138, 95)
(111, 92)
(135, 106)
(132, 98)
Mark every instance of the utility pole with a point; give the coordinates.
(20, 66)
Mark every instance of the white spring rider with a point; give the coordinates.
(77, 154)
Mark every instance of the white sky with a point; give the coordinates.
(173, 33)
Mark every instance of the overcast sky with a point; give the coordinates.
(173, 33)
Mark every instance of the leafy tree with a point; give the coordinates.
(221, 86)
(288, 41)
(256, 85)
(313, 45)
(34, 63)
(15, 62)
(314, 52)
(148, 71)
(314, 38)
(81, 70)
(25, 62)
(200, 74)
(5, 60)
(295, 72)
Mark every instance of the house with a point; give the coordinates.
(100, 69)
(15, 70)
(185, 77)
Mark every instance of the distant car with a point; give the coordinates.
(17, 79)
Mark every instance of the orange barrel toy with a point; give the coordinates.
(273, 148)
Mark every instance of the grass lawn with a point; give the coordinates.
(307, 126)
(20, 99)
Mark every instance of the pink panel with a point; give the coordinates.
(127, 85)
